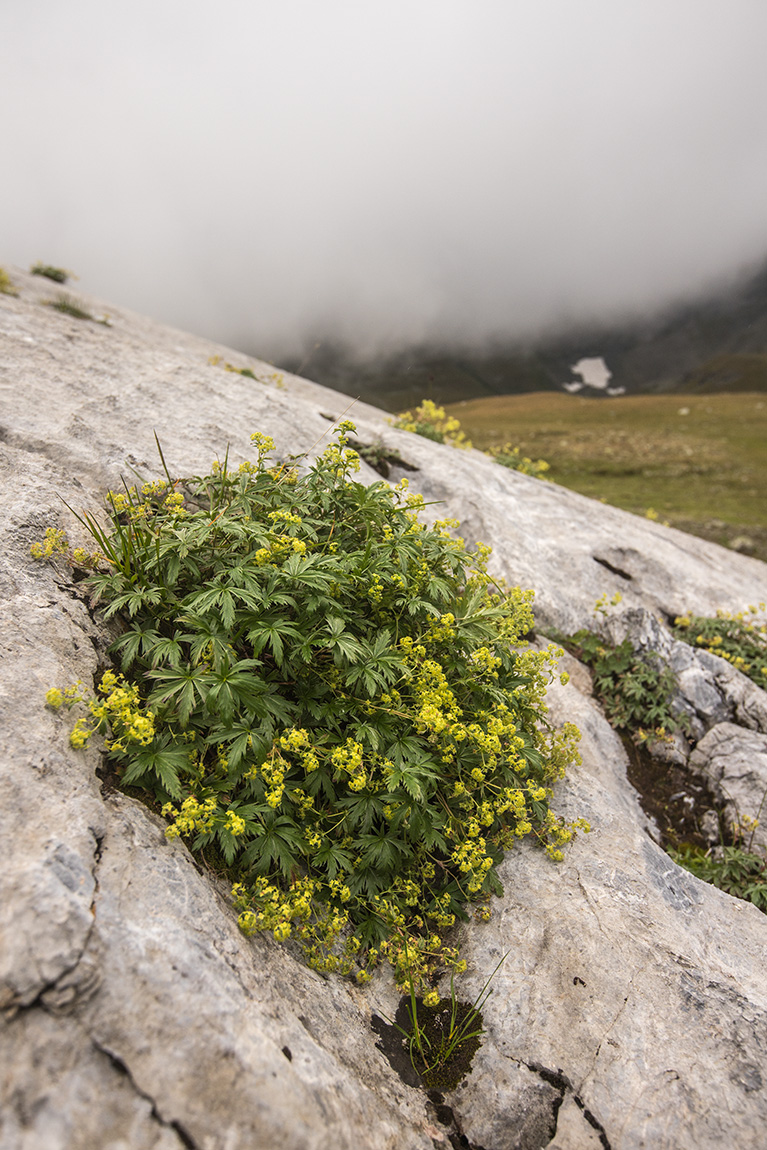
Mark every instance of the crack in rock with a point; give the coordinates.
(79, 981)
(183, 1135)
(564, 1087)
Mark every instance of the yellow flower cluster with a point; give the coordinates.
(175, 503)
(234, 823)
(192, 815)
(157, 487)
(122, 711)
(342, 461)
(436, 705)
(56, 698)
(348, 758)
(279, 548)
(273, 772)
(54, 543)
(122, 502)
(284, 516)
(511, 457)
(485, 661)
(119, 711)
(304, 803)
(432, 422)
(308, 911)
(89, 560)
(296, 741)
(139, 508)
(442, 630)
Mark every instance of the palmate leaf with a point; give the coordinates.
(129, 645)
(383, 851)
(342, 643)
(166, 763)
(424, 825)
(315, 571)
(366, 881)
(368, 735)
(273, 632)
(332, 858)
(164, 650)
(403, 749)
(280, 842)
(134, 601)
(361, 810)
(150, 644)
(186, 687)
(235, 683)
(415, 777)
(246, 741)
(203, 601)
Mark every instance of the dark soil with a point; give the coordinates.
(673, 797)
(435, 1023)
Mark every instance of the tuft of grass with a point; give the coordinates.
(58, 275)
(442, 1035)
(6, 284)
(67, 306)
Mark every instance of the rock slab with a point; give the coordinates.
(631, 1009)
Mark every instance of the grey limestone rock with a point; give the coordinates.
(710, 690)
(733, 761)
(631, 1009)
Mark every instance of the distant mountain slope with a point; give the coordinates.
(715, 343)
(727, 373)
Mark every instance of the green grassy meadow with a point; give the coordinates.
(698, 461)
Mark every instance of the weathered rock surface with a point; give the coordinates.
(631, 1010)
(734, 763)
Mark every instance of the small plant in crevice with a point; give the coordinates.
(733, 869)
(739, 638)
(329, 700)
(69, 306)
(432, 422)
(442, 1034)
(512, 458)
(636, 689)
(58, 275)
(737, 867)
(6, 284)
(276, 377)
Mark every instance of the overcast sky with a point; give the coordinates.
(268, 171)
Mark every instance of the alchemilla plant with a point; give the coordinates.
(328, 699)
(740, 638)
(434, 423)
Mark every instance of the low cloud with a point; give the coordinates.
(382, 175)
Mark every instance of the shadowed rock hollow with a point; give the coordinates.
(631, 1010)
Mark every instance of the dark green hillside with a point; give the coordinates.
(727, 373)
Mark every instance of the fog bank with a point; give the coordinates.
(384, 174)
